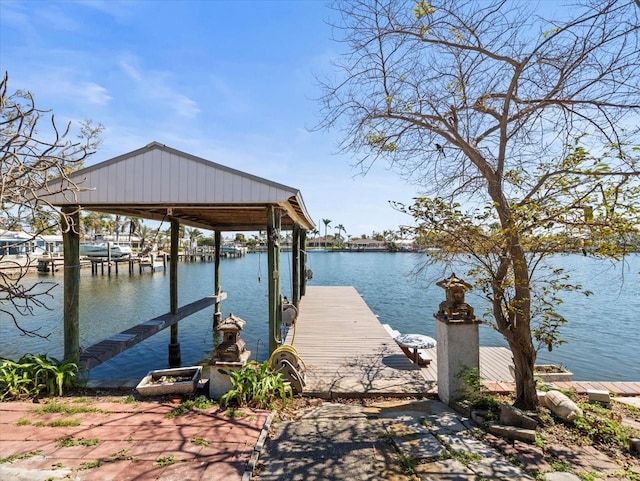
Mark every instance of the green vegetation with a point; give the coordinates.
(473, 394)
(17, 457)
(590, 475)
(122, 455)
(560, 465)
(465, 457)
(234, 413)
(59, 408)
(198, 441)
(407, 463)
(201, 402)
(164, 461)
(69, 441)
(34, 374)
(256, 385)
(601, 425)
(63, 423)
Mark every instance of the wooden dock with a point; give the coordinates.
(348, 353)
(346, 350)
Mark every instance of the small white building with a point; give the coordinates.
(20, 243)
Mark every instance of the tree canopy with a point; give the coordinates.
(522, 131)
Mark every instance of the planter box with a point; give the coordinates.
(181, 380)
(551, 373)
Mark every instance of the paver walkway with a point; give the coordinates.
(104, 441)
(335, 442)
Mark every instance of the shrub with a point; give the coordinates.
(34, 374)
(256, 385)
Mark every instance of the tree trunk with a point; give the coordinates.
(516, 326)
(524, 358)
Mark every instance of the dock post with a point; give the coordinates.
(295, 268)
(303, 263)
(174, 346)
(273, 276)
(217, 315)
(71, 245)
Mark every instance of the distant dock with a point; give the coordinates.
(102, 265)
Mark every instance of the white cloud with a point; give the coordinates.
(157, 86)
(63, 85)
(185, 107)
(92, 93)
(129, 69)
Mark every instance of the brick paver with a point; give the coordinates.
(133, 441)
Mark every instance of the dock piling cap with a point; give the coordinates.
(231, 323)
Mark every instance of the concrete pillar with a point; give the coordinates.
(458, 349)
(219, 381)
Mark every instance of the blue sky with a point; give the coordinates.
(230, 81)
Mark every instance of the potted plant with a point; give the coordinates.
(183, 380)
(552, 373)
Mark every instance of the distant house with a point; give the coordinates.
(320, 242)
(19, 243)
(367, 244)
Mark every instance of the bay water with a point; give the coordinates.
(602, 335)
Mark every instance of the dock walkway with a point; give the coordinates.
(346, 350)
(348, 353)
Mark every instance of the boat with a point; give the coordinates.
(102, 249)
(233, 250)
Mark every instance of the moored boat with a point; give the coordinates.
(103, 249)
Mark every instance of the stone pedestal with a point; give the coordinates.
(219, 383)
(458, 349)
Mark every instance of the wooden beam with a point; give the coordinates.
(71, 245)
(114, 345)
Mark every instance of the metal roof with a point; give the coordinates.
(159, 182)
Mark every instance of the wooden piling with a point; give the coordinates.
(273, 276)
(295, 268)
(174, 344)
(303, 263)
(217, 315)
(71, 246)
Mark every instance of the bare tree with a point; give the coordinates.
(492, 105)
(28, 159)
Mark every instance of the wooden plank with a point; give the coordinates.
(347, 351)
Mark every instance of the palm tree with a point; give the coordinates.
(144, 232)
(326, 224)
(340, 228)
(194, 235)
(135, 223)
